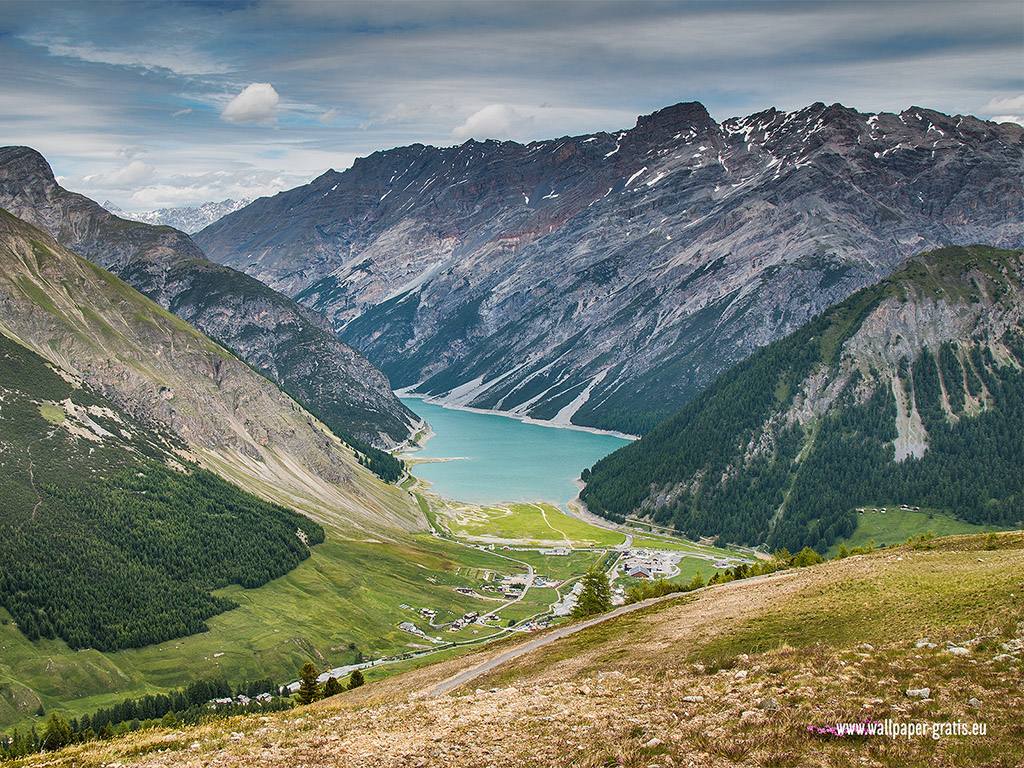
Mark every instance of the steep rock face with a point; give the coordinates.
(288, 343)
(606, 279)
(158, 369)
(909, 392)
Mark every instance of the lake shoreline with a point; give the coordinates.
(516, 416)
(504, 461)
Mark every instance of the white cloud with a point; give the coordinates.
(131, 153)
(328, 116)
(495, 121)
(1008, 119)
(136, 172)
(418, 112)
(1008, 104)
(182, 112)
(194, 189)
(185, 59)
(258, 102)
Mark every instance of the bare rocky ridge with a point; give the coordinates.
(288, 343)
(606, 279)
(159, 369)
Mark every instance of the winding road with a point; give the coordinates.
(464, 677)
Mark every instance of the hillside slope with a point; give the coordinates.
(910, 392)
(286, 342)
(737, 674)
(108, 537)
(606, 279)
(158, 369)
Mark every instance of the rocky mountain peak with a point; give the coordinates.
(20, 162)
(667, 122)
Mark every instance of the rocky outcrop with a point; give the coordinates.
(632, 266)
(288, 343)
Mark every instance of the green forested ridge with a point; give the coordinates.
(101, 542)
(697, 471)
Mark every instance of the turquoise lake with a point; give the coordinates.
(504, 459)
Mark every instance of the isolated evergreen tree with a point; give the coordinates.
(309, 689)
(332, 687)
(16, 747)
(696, 582)
(56, 733)
(807, 556)
(596, 596)
(356, 679)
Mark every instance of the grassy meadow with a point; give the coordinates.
(345, 598)
(537, 523)
(896, 525)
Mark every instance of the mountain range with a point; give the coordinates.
(288, 343)
(189, 219)
(604, 280)
(749, 294)
(160, 371)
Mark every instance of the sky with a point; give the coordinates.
(179, 102)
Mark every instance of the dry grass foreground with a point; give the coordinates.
(734, 675)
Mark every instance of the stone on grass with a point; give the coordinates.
(770, 705)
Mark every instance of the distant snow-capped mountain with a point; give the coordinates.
(188, 219)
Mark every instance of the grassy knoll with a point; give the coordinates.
(897, 525)
(527, 523)
(576, 563)
(944, 589)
